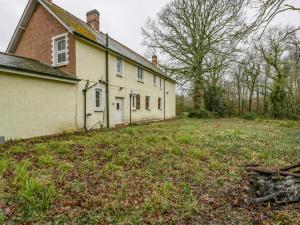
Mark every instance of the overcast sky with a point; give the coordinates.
(122, 19)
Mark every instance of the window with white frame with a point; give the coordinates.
(60, 50)
(154, 80)
(98, 99)
(140, 75)
(119, 66)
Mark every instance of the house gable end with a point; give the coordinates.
(36, 40)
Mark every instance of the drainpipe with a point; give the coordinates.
(164, 99)
(107, 81)
(84, 91)
(130, 99)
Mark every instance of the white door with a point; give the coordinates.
(119, 110)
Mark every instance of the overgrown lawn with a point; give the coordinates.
(178, 172)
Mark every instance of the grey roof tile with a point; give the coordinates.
(9, 61)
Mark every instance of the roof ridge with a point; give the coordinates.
(100, 32)
(67, 12)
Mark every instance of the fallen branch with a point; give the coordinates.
(293, 166)
(271, 172)
(267, 198)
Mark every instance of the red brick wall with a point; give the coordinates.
(36, 42)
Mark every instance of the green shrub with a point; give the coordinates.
(294, 112)
(201, 114)
(249, 116)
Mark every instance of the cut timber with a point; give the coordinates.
(296, 165)
(272, 172)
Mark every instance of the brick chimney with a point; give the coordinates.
(154, 60)
(92, 19)
(50, 1)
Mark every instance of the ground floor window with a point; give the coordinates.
(135, 102)
(159, 103)
(98, 99)
(147, 102)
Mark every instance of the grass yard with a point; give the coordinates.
(179, 172)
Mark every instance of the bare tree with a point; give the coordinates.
(269, 9)
(187, 32)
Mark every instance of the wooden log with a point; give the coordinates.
(271, 172)
(293, 166)
(267, 198)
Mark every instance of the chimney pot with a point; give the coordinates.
(92, 19)
(154, 60)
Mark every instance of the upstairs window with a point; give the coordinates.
(60, 50)
(160, 83)
(98, 100)
(154, 80)
(119, 66)
(140, 75)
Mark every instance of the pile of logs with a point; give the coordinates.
(280, 186)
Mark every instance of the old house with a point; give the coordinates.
(61, 73)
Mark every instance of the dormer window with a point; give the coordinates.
(60, 50)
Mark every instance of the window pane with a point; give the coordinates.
(61, 44)
(61, 57)
(119, 65)
(97, 98)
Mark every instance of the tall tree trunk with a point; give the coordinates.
(198, 89)
(257, 103)
(250, 101)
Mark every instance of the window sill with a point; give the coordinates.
(141, 81)
(98, 110)
(119, 75)
(61, 64)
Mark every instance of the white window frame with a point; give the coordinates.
(141, 79)
(101, 102)
(133, 102)
(119, 60)
(55, 52)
